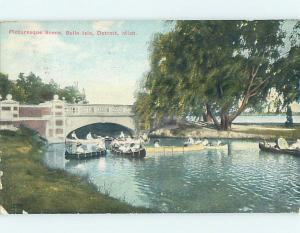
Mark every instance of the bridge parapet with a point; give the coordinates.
(54, 119)
(98, 110)
(9, 109)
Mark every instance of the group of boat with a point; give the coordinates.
(94, 146)
(97, 146)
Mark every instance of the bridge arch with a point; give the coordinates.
(102, 129)
(74, 123)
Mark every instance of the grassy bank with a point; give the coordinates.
(29, 185)
(290, 134)
(267, 132)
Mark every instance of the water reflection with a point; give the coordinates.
(239, 179)
(54, 156)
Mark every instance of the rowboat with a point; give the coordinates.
(174, 149)
(87, 155)
(270, 148)
(139, 153)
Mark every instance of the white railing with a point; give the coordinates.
(98, 109)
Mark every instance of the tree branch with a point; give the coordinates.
(254, 91)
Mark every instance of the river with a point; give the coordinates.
(265, 119)
(238, 179)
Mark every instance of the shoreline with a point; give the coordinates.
(238, 131)
(28, 184)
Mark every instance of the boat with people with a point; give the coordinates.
(128, 146)
(84, 148)
(281, 146)
(85, 155)
(189, 145)
(137, 153)
(218, 145)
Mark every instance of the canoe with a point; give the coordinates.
(136, 154)
(272, 149)
(174, 149)
(88, 155)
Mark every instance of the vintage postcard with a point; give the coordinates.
(150, 116)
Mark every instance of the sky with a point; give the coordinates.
(108, 67)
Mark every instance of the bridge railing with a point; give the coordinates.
(98, 109)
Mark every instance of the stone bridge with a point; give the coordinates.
(55, 119)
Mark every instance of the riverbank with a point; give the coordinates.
(238, 131)
(29, 185)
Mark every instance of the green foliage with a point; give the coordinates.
(31, 89)
(5, 85)
(222, 67)
(72, 94)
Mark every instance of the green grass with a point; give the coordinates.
(29, 185)
(292, 134)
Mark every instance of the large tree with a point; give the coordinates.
(222, 67)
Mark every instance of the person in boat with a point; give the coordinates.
(156, 143)
(89, 136)
(74, 136)
(100, 145)
(125, 148)
(115, 143)
(295, 145)
(281, 143)
(122, 135)
(191, 141)
(134, 147)
(205, 142)
(129, 140)
(219, 143)
(198, 141)
(145, 137)
(140, 140)
(80, 149)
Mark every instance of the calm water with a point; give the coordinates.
(240, 179)
(263, 119)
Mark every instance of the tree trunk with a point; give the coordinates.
(207, 117)
(225, 122)
(210, 113)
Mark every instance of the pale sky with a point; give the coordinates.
(108, 67)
